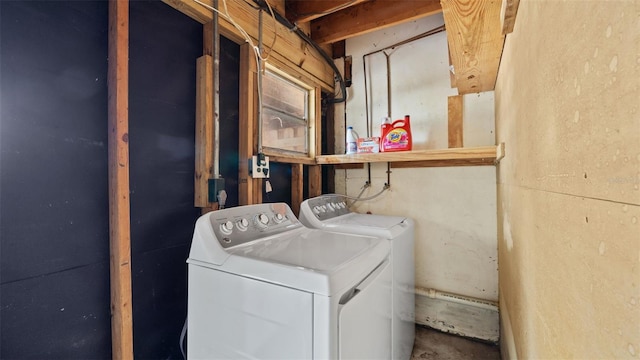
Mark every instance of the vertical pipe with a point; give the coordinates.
(388, 83)
(260, 70)
(216, 93)
(388, 106)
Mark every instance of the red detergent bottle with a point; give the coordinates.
(396, 136)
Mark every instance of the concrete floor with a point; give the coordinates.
(436, 345)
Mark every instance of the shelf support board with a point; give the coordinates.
(483, 155)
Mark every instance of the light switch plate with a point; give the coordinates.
(259, 167)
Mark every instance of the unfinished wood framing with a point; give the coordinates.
(508, 14)
(249, 189)
(297, 187)
(315, 180)
(204, 131)
(305, 11)
(369, 16)
(455, 130)
(119, 202)
(289, 53)
(475, 38)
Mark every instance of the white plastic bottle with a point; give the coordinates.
(351, 145)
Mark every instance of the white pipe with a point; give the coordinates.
(460, 299)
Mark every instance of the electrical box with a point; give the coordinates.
(259, 166)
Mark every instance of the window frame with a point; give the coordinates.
(281, 155)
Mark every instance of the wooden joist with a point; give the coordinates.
(305, 11)
(475, 38)
(119, 204)
(369, 16)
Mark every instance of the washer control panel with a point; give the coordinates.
(328, 206)
(240, 225)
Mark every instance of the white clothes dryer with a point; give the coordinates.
(263, 286)
(330, 212)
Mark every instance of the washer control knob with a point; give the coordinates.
(262, 220)
(316, 209)
(242, 224)
(330, 207)
(226, 227)
(278, 218)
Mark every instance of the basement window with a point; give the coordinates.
(285, 114)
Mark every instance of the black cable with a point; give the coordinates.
(338, 76)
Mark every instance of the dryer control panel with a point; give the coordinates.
(240, 225)
(326, 207)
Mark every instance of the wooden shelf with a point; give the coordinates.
(484, 155)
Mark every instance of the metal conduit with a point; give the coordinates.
(366, 92)
(216, 93)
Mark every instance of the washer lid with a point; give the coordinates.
(313, 250)
(387, 227)
(317, 261)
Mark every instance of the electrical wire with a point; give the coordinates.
(225, 15)
(292, 27)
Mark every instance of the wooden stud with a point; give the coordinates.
(119, 202)
(207, 38)
(455, 121)
(204, 131)
(315, 180)
(297, 186)
(249, 189)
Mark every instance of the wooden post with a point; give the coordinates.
(455, 121)
(297, 186)
(119, 204)
(249, 189)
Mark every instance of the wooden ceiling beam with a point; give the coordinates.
(474, 34)
(369, 16)
(300, 11)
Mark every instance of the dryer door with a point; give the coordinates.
(364, 325)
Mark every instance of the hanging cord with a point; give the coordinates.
(182, 337)
(359, 197)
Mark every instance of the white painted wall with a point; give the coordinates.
(455, 207)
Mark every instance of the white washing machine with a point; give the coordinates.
(330, 212)
(263, 286)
